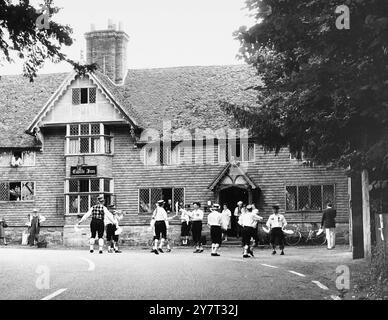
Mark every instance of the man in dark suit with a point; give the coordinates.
(328, 222)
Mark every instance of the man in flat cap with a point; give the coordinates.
(98, 212)
(276, 222)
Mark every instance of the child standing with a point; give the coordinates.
(111, 237)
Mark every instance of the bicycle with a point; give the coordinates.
(298, 234)
(294, 234)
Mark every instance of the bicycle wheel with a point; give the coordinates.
(319, 240)
(293, 239)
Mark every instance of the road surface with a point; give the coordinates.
(303, 273)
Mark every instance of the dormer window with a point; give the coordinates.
(84, 95)
(17, 159)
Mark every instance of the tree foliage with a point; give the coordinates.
(325, 90)
(20, 33)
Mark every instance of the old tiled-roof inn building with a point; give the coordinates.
(66, 139)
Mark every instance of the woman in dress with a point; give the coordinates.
(226, 225)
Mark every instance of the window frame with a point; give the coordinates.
(160, 161)
(309, 196)
(101, 136)
(88, 193)
(80, 95)
(150, 197)
(21, 184)
(12, 154)
(228, 151)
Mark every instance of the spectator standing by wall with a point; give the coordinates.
(328, 223)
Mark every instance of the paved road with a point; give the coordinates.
(138, 274)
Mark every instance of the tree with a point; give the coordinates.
(33, 34)
(325, 86)
(325, 90)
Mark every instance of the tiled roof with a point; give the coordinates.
(187, 96)
(20, 102)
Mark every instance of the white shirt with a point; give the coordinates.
(196, 215)
(256, 212)
(184, 216)
(214, 218)
(276, 221)
(226, 214)
(249, 219)
(159, 214)
(116, 218)
(108, 216)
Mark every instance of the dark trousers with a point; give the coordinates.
(97, 228)
(160, 230)
(247, 234)
(216, 234)
(110, 233)
(34, 231)
(196, 229)
(277, 238)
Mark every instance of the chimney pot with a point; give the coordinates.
(92, 27)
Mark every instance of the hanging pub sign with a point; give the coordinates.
(83, 171)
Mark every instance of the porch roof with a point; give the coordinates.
(225, 171)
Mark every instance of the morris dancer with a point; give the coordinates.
(98, 213)
(248, 221)
(276, 222)
(214, 220)
(197, 216)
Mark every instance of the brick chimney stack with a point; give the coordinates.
(108, 48)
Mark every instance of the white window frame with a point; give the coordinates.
(90, 193)
(156, 148)
(102, 136)
(11, 155)
(227, 152)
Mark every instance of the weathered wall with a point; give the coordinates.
(48, 175)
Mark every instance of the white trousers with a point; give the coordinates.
(330, 237)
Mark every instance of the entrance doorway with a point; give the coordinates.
(231, 196)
